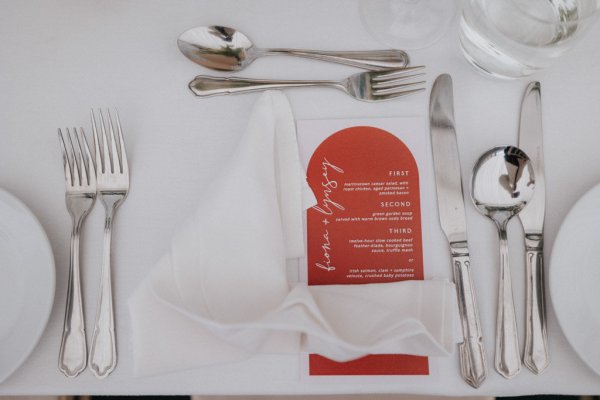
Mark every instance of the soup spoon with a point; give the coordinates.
(225, 49)
(503, 183)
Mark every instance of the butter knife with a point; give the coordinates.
(453, 222)
(535, 356)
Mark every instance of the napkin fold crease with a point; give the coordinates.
(221, 293)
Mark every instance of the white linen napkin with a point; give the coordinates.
(221, 293)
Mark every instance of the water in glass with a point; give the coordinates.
(515, 38)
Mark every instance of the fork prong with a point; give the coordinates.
(395, 73)
(124, 164)
(76, 174)
(394, 81)
(397, 88)
(88, 157)
(81, 160)
(394, 95)
(117, 168)
(99, 161)
(66, 161)
(108, 158)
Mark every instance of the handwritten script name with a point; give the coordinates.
(329, 185)
(327, 206)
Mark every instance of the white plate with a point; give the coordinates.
(26, 282)
(575, 278)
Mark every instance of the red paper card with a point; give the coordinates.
(365, 227)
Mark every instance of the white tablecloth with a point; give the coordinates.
(58, 58)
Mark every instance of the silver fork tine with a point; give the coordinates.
(393, 81)
(76, 175)
(89, 161)
(398, 94)
(108, 159)
(100, 164)
(66, 161)
(124, 164)
(82, 166)
(113, 146)
(383, 75)
(389, 89)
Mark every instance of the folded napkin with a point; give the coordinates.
(221, 293)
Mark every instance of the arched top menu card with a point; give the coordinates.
(365, 227)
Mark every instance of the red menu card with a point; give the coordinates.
(365, 227)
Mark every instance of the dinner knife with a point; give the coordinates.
(451, 207)
(535, 356)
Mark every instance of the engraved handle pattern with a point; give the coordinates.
(207, 86)
(536, 356)
(374, 60)
(472, 353)
(103, 353)
(507, 359)
(72, 358)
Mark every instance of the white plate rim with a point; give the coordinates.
(558, 286)
(50, 280)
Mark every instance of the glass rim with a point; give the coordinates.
(593, 13)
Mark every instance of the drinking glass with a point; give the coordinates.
(407, 24)
(515, 38)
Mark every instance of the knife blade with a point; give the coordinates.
(451, 208)
(536, 355)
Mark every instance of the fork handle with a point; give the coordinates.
(103, 353)
(374, 60)
(206, 86)
(73, 348)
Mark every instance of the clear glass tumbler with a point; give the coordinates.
(407, 24)
(515, 38)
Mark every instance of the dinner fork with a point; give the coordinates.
(366, 86)
(80, 179)
(112, 177)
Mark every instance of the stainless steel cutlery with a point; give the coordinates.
(453, 222)
(226, 49)
(109, 180)
(503, 183)
(80, 180)
(536, 355)
(366, 86)
(113, 185)
(502, 186)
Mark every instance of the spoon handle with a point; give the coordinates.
(206, 86)
(507, 359)
(374, 60)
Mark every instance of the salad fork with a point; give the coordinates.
(366, 86)
(80, 179)
(112, 176)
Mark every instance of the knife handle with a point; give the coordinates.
(536, 356)
(472, 353)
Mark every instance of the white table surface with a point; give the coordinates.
(59, 57)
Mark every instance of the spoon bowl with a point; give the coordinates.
(217, 47)
(226, 49)
(502, 185)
